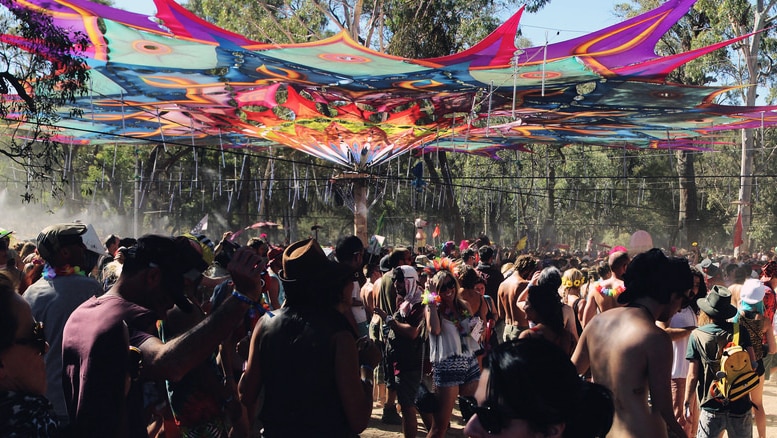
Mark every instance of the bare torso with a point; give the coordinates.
(626, 352)
(508, 294)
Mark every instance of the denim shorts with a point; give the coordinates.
(712, 424)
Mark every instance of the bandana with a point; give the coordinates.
(413, 293)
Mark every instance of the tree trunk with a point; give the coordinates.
(548, 227)
(688, 213)
(451, 206)
(750, 52)
(360, 209)
(745, 188)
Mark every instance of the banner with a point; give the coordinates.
(738, 231)
(201, 226)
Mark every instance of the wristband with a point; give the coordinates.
(368, 368)
(245, 299)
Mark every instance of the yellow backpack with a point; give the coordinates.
(736, 377)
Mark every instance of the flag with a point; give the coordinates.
(375, 244)
(738, 231)
(380, 222)
(201, 226)
(521, 243)
(436, 232)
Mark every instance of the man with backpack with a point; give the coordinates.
(707, 345)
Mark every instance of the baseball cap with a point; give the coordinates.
(57, 236)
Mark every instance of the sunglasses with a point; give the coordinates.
(134, 362)
(37, 341)
(492, 418)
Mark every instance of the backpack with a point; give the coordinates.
(736, 377)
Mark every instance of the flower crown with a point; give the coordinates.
(568, 282)
(441, 264)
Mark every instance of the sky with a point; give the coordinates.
(560, 20)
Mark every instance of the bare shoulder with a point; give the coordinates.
(625, 324)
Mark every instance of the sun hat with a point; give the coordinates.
(752, 291)
(302, 260)
(92, 242)
(717, 303)
(708, 267)
(768, 271)
(422, 261)
(57, 236)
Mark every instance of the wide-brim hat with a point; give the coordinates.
(752, 291)
(302, 260)
(717, 303)
(708, 267)
(422, 261)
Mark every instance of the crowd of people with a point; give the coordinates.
(183, 336)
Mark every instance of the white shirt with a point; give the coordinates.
(684, 318)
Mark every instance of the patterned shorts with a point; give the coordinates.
(456, 370)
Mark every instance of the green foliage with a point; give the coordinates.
(49, 75)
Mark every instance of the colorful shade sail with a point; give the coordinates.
(178, 78)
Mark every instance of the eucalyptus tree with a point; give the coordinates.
(47, 75)
(751, 65)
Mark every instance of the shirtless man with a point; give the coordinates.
(604, 295)
(630, 355)
(509, 292)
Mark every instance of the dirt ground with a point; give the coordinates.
(377, 429)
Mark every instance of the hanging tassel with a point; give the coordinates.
(305, 192)
(161, 130)
(272, 178)
(196, 167)
(242, 169)
(115, 152)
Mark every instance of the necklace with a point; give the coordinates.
(610, 292)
